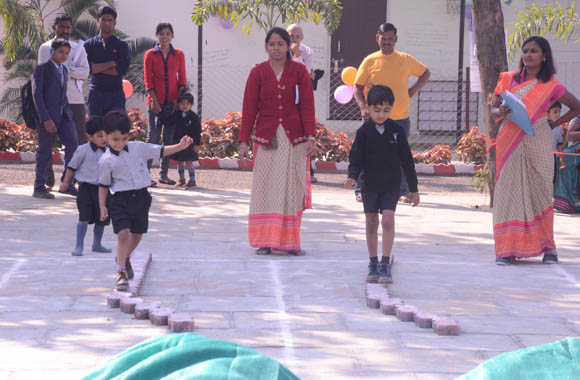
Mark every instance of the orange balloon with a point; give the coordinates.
(349, 75)
(127, 88)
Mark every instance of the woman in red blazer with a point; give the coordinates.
(165, 79)
(279, 109)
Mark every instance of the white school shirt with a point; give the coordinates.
(127, 170)
(85, 163)
(78, 69)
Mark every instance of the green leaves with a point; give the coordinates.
(266, 14)
(563, 23)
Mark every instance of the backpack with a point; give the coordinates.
(27, 106)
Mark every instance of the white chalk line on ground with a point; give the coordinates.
(568, 276)
(284, 321)
(6, 277)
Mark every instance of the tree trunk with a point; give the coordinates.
(491, 54)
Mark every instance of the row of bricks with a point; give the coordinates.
(377, 297)
(129, 303)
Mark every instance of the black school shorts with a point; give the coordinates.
(88, 204)
(130, 209)
(377, 202)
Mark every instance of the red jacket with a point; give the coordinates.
(269, 103)
(155, 69)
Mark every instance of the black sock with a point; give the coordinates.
(374, 260)
(386, 259)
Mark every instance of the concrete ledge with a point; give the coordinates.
(236, 164)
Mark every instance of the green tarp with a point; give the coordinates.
(555, 361)
(190, 356)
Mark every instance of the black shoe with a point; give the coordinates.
(373, 275)
(167, 181)
(42, 194)
(129, 268)
(550, 258)
(71, 190)
(504, 261)
(385, 273)
(153, 183)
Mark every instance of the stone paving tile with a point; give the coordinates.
(469, 342)
(297, 321)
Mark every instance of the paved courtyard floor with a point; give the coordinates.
(307, 312)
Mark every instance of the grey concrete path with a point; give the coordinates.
(307, 312)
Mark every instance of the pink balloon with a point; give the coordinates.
(343, 94)
(226, 24)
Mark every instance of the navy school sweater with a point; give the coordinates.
(380, 157)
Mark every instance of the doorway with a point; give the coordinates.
(350, 44)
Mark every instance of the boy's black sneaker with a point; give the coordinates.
(42, 194)
(129, 268)
(122, 282)
(385, 273)
(373, 275)
(167, 181)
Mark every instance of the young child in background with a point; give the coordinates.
(379, 151)
(84, 168)
(557, 136)
(123, 169)
(186, 123)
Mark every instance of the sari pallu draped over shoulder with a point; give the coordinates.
(523, 212)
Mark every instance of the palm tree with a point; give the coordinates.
(564, 23)
(26, 30)
(268, 13)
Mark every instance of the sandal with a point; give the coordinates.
(264, 251)
(298, 252)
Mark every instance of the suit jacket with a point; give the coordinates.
(49, 95)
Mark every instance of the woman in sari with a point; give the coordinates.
(523, 212)
(567, 187)
(279, 101)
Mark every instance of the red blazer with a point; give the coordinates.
(269, 103)
(155, 74)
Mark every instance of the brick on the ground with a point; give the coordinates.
(446, 326)
(114, 299)
(406, 313)
(180, 322)
(388, 305)
(128, 304)
(143, 309)
(424, 320)
(159, 317)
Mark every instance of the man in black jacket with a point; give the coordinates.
(379, 150)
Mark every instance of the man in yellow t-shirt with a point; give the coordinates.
(391, 68)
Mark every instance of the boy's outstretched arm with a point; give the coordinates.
(183, 143)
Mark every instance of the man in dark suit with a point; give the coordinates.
(49, 85)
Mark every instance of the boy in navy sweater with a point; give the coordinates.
(379, 150)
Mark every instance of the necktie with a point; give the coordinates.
(61, 75)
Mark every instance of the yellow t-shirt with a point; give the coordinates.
(392, 70)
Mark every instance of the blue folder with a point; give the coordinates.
(519, 115)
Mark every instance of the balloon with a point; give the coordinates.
(226, 24)
(348, 75)
(127, 88)
(343, 94)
